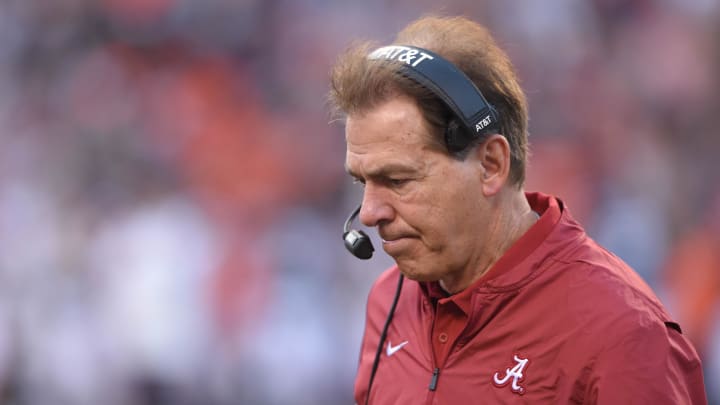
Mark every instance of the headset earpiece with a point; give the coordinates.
(456, 136)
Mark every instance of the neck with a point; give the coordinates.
(511, 216)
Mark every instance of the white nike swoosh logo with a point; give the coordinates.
(392, 349)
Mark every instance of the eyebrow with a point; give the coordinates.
(384, 171)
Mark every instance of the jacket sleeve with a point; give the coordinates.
(651, 364)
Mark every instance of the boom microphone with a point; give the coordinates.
(357, 242)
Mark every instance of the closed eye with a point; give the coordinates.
(398, 182)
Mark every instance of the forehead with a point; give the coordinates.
(392, 133)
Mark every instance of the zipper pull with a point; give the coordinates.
(434, 379)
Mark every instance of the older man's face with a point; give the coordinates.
(428, 207)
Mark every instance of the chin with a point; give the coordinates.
(417, 273)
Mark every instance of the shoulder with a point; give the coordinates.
(383, 290)
(602, 284)
(385, 283)
(600, 294)
(640, 355)
(632, 350)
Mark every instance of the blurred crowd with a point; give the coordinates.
(172, 192)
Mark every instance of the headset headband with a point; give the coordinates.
(448, 82)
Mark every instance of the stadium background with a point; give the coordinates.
(171, 194)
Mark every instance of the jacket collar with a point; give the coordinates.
(515, 268)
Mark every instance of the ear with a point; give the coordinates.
(494, 156)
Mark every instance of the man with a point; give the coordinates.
(506, 299)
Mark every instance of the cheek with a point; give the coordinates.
(440, 227)
(453, 218)
(445, 209)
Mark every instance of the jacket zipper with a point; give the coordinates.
(434, 379)
(436, 370)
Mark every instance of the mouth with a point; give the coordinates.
(396, 245)
(393, 238)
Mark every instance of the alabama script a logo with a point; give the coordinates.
(515, 373)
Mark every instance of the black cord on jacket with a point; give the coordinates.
(383, 335)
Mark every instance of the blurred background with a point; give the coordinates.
(172, 193)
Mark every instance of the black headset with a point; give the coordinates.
(472, 117)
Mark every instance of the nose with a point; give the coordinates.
(376, 207)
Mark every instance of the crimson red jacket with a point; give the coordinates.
(558, 319)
